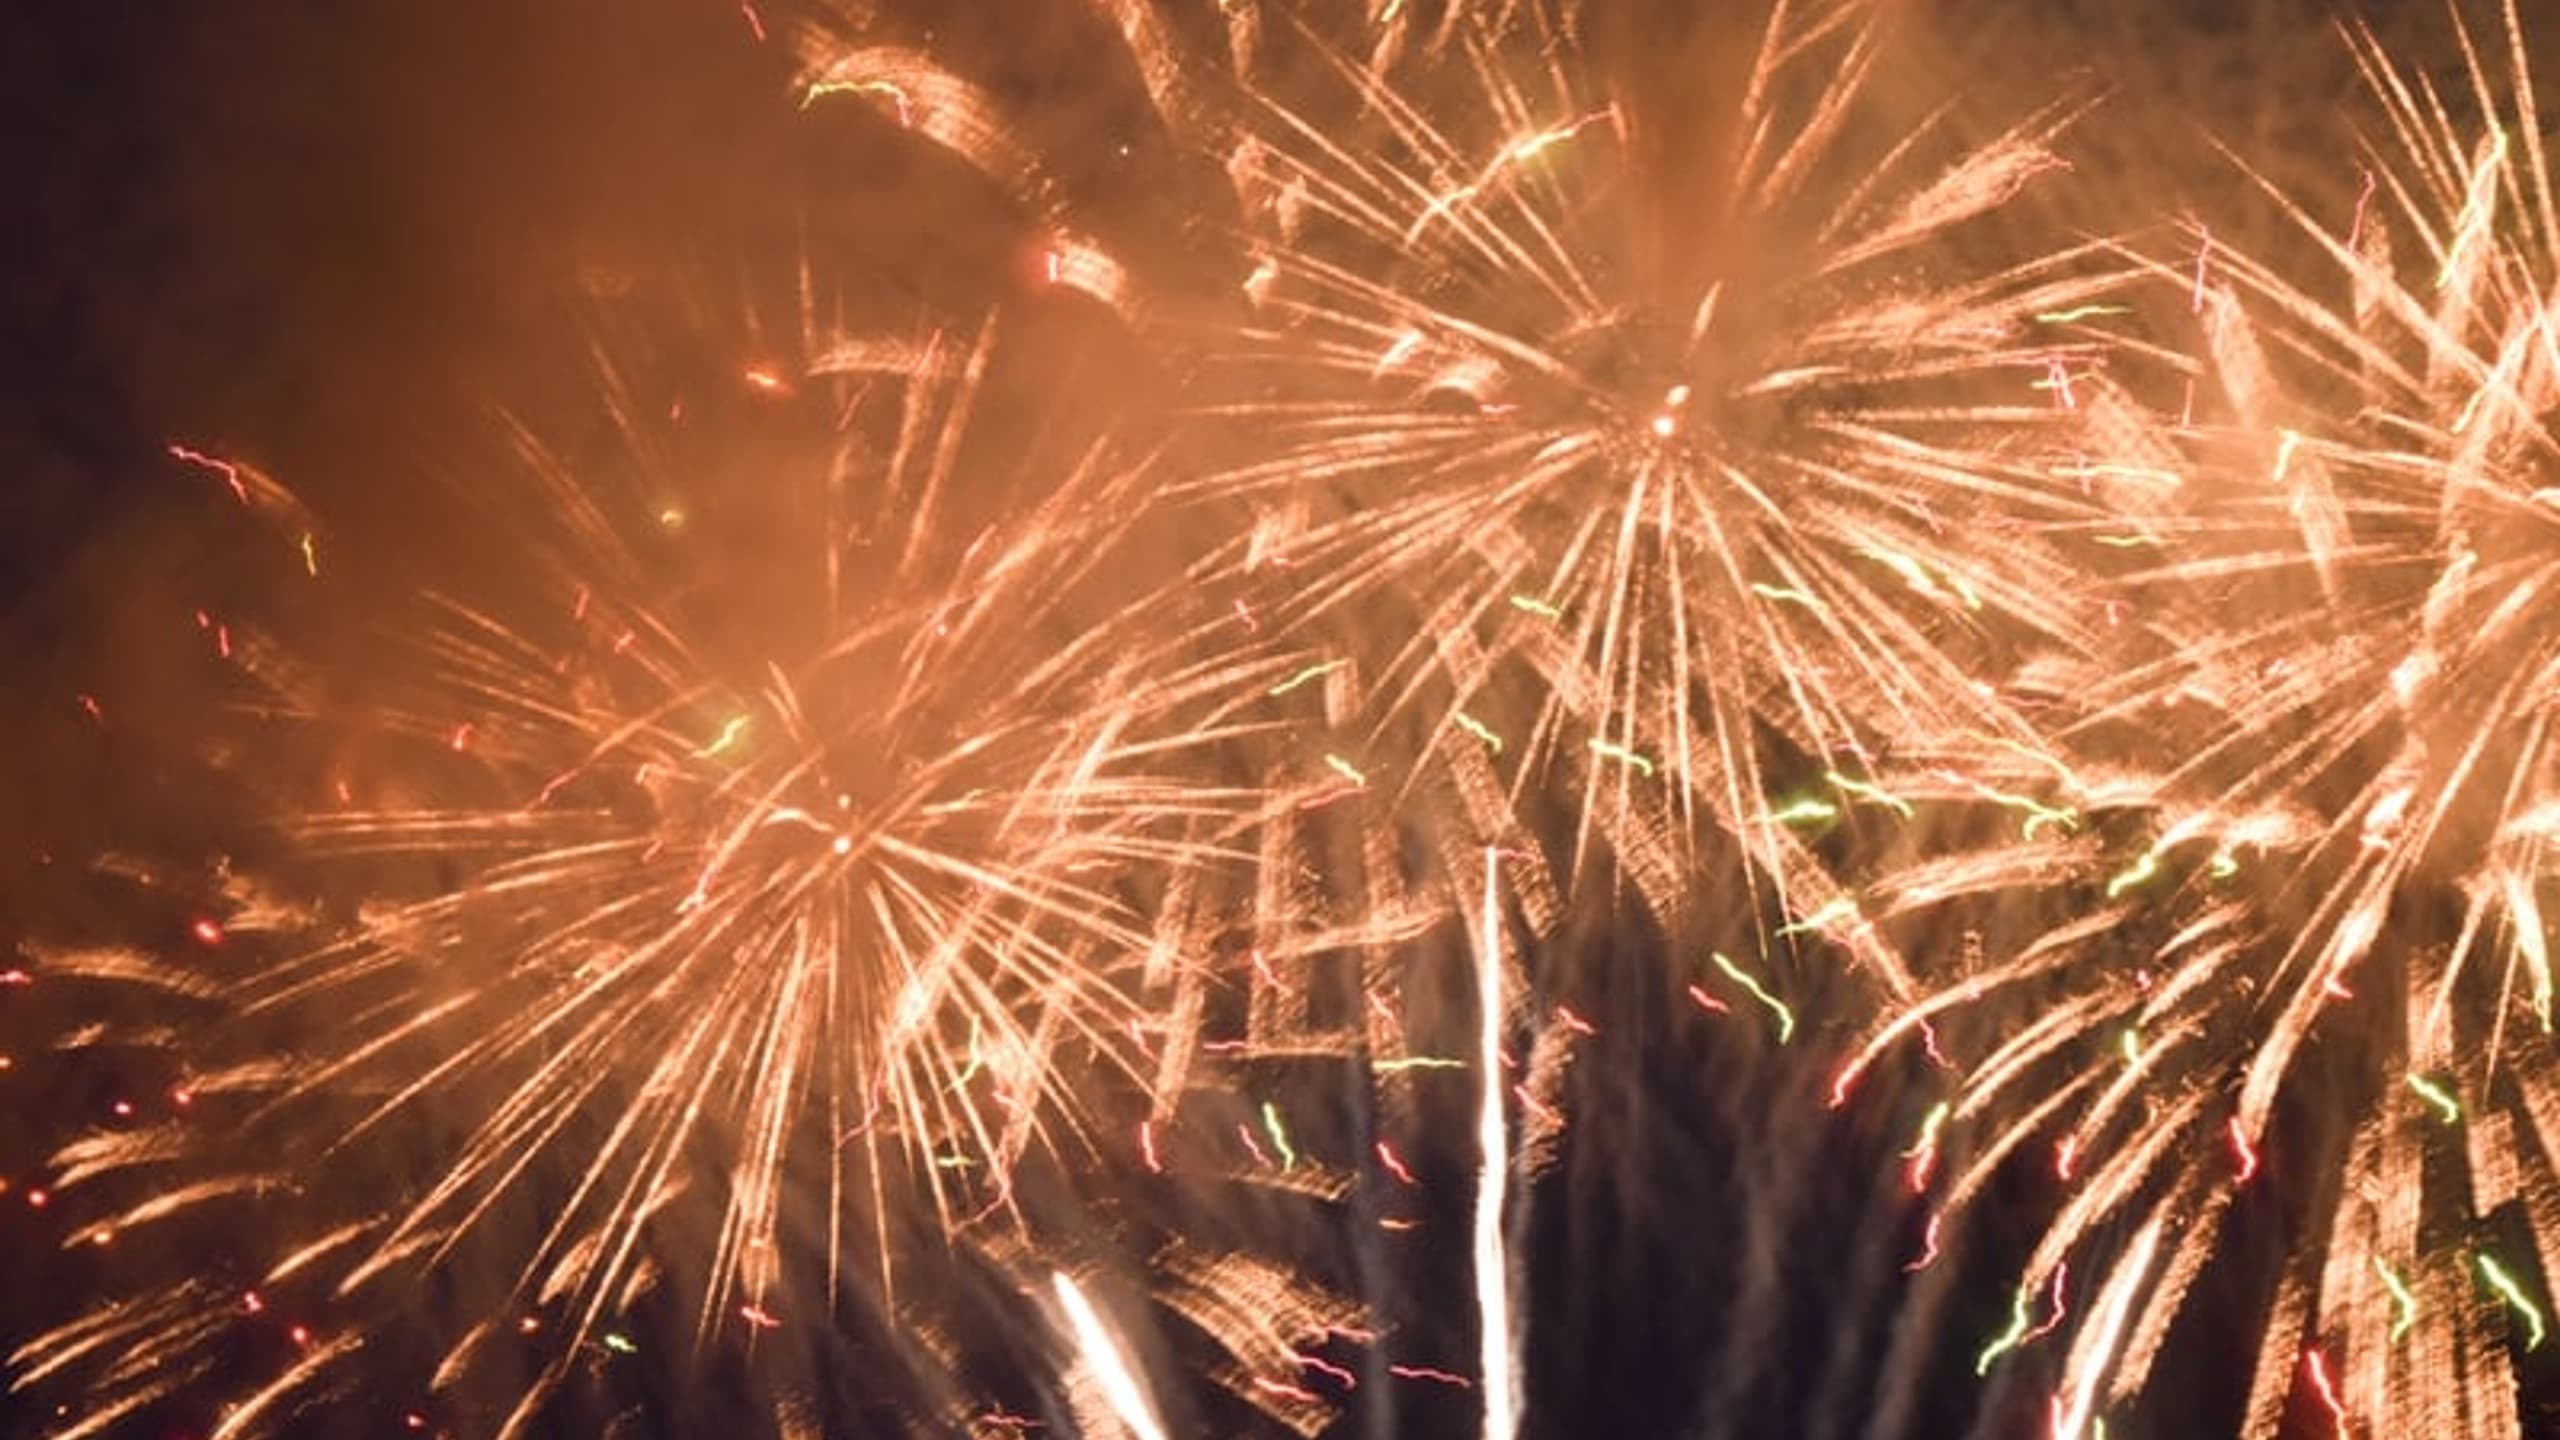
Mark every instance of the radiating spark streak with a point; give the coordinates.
(1492, 1258)
(1120, 1387)
(2437, 1096)
(1610, 750)
(2478, 207)
(1480, 730)
(2513, 1293)
(1279, 1135)
(1307, 675)
(2404, 1302)
(1744, 978)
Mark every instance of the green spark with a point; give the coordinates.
(1480, 730)
(1790, 595)
(1610, 750)
(1536, 606)
(821, 89)
(2402, 1300)
(729, 733)
(1279, 1136)
(2500, 1281)
(1840, 908)
(2038, 813)
(1417, 1062)
(1786, 1017)
(954, 1162)
(2082, 312)
(2010, 1338)
(1804, 810)
(620, 1344)
(1347, 771)
(1310, 673)
(2224, 865)
(2143, 869)
(2438, 1096)
(1865, 791)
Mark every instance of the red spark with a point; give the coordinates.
(2061, 1275)
(250, 1304)
(1928, 1247)
(39, 1198)
(1575, 1023)
(2066, 1155)
(755, 22)
(2242, 1152)
(1847, 1077)
(1147, 1147)
(207, 930)
(300, 1334)
(763, 378)
(1425, 1372)
(759, 1317)
(229, 472)
(89, 703)
(1245, 1132)
(1388, 1157)
(461, 737)
(123, 1109)
(16, 977)
(1287, 1391)
(1324, 1366)
(2328, 1393)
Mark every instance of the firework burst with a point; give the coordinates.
(2304, 978)
(769, 844)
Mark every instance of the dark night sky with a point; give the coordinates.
(331, 235)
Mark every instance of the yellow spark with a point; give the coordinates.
(1536, 606)
(729, 734)
(2437, 1096)
(2007, 1340)
(2402, 1300)
(1839, 909)
(2125, 542)
(1480, 730)
(1743, 978)
(2500, 1281)
(1417, 1062)
(1866, 791)
(2143, 869)
(1609, 750)
(1279, 1136)
(1804, 810)
(1312, 672)
(2287, 441)
(1347, 771)
(310, 556)
(2081, 312)
(1787, 594)
(2132, 1041)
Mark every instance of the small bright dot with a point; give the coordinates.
(844, 845)
(182, 1098)
(1662, 426)
(528, 1325)
(123, 1109)
(206, 931)
(301, 1334)
(38, 1199)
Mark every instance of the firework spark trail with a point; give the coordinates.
(1500, 1383)
(865, 909)
(1120, 1385)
